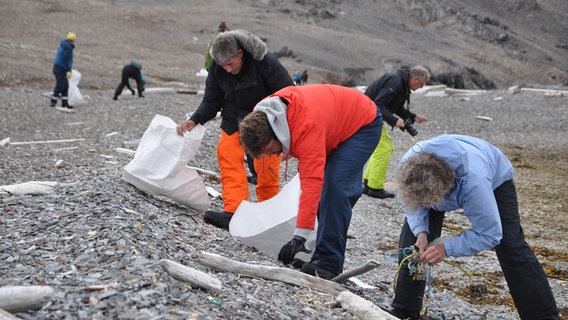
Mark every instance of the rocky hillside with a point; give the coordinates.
(471, 44)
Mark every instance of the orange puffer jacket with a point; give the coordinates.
(320, 117)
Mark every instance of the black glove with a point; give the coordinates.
(289, 250)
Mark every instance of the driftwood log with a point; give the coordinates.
(361, 308)
(186, 274)
(358, 306)
(30, 187)
(286, 275)
(23, 298)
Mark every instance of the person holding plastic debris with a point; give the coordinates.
(332, 131)
(62, 70)
(132, 70)
(390, 92)
(241, 74)
(452, 172)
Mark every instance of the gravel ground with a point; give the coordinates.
(100, 231)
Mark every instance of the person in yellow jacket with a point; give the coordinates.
(241, 74)
(332, 130)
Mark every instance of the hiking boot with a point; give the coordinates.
(115, 98)
(401, 314)
(379, 193)
(218, 219)
(319, 272)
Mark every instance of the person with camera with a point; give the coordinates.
(390, 92)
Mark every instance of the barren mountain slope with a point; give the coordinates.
(349, 42)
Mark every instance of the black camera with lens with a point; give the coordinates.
(409, 128)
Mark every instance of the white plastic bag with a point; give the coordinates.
(269, 224)
(160, 164)
(75, 97)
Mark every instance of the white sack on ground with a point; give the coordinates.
(160, 164)
(269, 224)
(75, 96)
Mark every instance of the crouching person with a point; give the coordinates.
(332, 131)
(452, 172)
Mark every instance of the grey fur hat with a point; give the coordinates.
(227, 44)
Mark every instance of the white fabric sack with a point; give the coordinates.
(160, 164)
(75, 97)
(269, 224)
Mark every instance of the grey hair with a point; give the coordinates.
(227, 44)
(423, 180)
(420, 73)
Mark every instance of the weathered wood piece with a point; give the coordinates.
(366, 267)
(30, 187)
(194, 277)
(361, 308)
(44, 142)
(286, 275)
(23, 298)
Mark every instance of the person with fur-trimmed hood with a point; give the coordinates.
(241, 74)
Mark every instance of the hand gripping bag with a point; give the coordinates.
(160, 164)
(269, 224)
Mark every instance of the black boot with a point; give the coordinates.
(379, 193)
(218, 219)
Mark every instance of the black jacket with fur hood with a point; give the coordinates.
(236, 95)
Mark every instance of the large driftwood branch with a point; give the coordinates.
(361, 308)
(5, 315)
(23, 298)
(186, 274)
(286, 275)
(368, 266)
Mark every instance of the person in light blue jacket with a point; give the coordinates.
(452, 172)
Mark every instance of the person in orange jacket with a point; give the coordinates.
(241, 74)
(332, 131)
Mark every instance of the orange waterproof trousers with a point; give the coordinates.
(231, 157)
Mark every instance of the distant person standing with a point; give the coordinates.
(304, 77)
(222, 28)
(62, 71)
(132, 70)
(391, 92)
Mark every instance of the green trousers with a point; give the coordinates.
(376, 171)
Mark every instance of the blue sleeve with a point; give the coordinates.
(480, 207)
(418, 221)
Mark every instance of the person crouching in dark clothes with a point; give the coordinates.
(132, 70)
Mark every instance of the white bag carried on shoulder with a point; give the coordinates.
(160, 164)
(270, 224)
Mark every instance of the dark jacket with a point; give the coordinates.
(64, 57)
(236, 95)
(390, 92)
